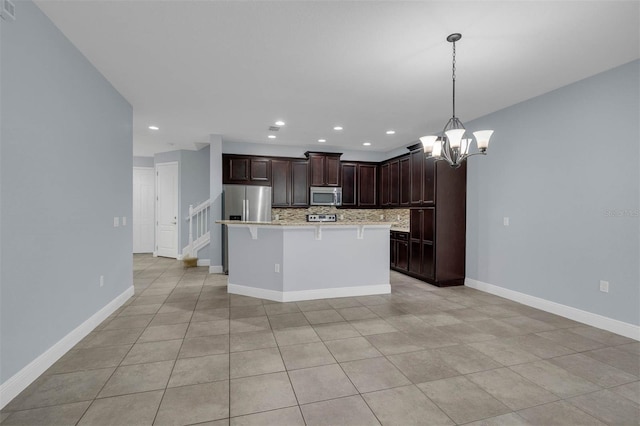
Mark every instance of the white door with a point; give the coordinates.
(167, 210)
(143, 209)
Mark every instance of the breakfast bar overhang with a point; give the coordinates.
(305, 261)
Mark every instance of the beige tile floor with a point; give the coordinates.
(183, 351)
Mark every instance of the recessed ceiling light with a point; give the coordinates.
(391, 132)
(279, 123)
(337, 128)
(271, 136)
(154, 128)
(322, 140)
(367, 144)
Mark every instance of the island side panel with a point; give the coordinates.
(337, 260)
(252, 262)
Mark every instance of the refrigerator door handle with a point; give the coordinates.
(248, 210)
(244, 210)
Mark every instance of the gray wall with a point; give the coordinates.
(143, 162)
(194, 189)
(66, 171)
(558, 166)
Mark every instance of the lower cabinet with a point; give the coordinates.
(399, 249)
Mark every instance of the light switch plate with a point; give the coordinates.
(124, 221)
(505, 221)
(116, 221)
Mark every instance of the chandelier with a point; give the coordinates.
(451, 145)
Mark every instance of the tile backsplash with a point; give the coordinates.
(398, 216)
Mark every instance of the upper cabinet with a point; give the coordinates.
(246, 170)
(359, 182)
(367, 185)
(324, 168)
(289, 182)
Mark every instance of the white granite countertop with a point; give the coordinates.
(398, 229)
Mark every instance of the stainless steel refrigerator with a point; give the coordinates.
(245, 203)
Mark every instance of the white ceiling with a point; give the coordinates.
(233, 68)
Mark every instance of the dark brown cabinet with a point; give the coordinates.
(417, 176)
(349, 184)
(359, 182)
(405, 181)
(324, 168)
(289, 183)
(367, 185)
(394, 183)
(246, 170)
(299, 183)
(399, 250)
(437, 232)
(281, 183)
(385, 196)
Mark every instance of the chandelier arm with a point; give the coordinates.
(476, 153)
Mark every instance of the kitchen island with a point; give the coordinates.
(285, 261)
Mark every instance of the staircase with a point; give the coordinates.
(199, 228)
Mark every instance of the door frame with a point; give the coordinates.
(178, 249)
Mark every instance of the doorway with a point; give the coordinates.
(167, 210)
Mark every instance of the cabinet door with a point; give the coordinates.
(317, 166)
(367, 185)
(417, 176)
(415, 257)
(349, 184)
(384, 184)
(405, 181)
(299, 183)
(402, 255)
(428, 224)
(394, 183)
(392, 249)
(237, 170)
(428, 193)
(415, 240)
(260, 170)
(332, 172)
(281, 183)
(428, 263)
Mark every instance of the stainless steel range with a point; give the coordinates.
(322, 218)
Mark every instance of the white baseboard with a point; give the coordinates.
(619, 327)
(204, 262)
(23, 378)
(294, 296)
(216, 269)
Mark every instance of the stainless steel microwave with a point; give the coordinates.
(325, 196)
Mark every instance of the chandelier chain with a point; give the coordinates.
(453, 78)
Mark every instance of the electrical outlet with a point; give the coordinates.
(124, 221)
(277, 217)
(398, 218)
(116, 221)
(341, 217)
(604, 286)
(277, 268)
(505, 221)
(381, 217)
(101, 280)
